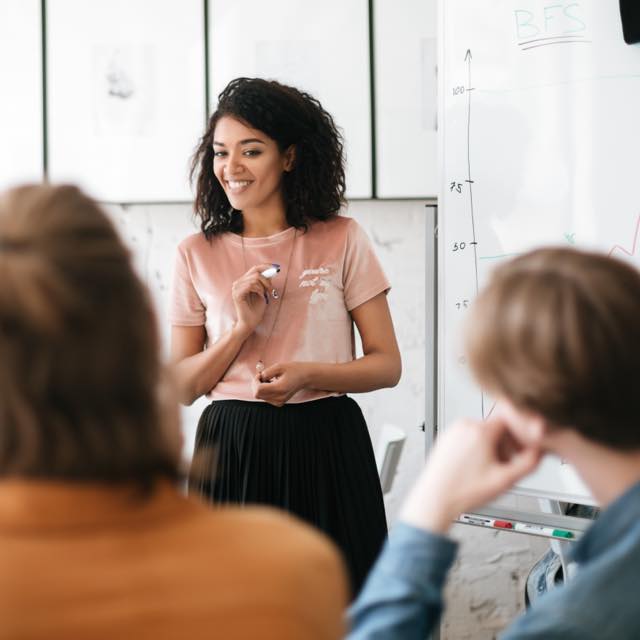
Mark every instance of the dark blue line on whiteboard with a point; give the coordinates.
(549, 38)
(548, 44)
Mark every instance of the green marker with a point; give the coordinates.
(539, 530)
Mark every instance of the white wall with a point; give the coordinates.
(397, 230)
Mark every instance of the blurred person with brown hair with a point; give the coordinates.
(95, 539)
(555, 338)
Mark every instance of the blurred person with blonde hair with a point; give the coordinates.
(95, 539)
(555, 338)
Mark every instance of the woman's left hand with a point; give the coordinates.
(279, 382)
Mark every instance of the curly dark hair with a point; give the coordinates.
(312, 190)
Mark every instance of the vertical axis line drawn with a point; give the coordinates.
(469, 180)
(468, 57)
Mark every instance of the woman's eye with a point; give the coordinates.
(252, 152)
(219, 154)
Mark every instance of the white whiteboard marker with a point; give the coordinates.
(271, 271)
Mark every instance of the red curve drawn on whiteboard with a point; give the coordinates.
(633, 246)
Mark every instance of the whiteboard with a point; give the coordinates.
(125, 96)
(405, 64)
(539, 107)
(322, 48)
(21, 155)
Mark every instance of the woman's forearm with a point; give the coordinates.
(199, 373)
(370, 372)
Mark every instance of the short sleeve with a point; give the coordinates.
(185, 306)
(363, 276)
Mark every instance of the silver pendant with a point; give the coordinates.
(260, 366)
(274, 294)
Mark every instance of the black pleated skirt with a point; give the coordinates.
(313, 459)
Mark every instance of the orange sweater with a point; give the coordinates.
(97, 563)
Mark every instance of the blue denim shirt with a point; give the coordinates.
(402, 598)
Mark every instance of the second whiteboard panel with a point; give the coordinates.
(322, 49)
(406, 99)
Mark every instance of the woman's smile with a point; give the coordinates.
(236, 187)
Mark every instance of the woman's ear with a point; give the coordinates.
(289, 158)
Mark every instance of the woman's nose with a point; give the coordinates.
(234, 164)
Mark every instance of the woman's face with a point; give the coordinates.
(248, 164)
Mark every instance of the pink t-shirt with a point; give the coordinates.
(333, 270)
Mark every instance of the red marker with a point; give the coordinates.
(485, 522)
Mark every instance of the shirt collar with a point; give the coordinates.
(612, 524)
(37, 506)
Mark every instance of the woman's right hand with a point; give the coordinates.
(250, 295)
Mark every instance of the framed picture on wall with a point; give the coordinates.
(125, 96)
(21, 150)
(322, 48)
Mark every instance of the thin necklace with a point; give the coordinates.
(260, 366)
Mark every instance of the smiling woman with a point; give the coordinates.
(274, 348)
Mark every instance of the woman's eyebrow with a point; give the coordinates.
(247, 141)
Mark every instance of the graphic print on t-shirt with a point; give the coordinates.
(320, 280)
